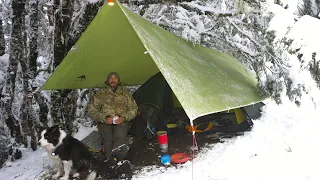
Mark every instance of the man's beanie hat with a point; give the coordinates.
(110, 74)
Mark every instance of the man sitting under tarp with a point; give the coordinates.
(112, 108)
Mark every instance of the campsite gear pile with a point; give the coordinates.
(165, 158)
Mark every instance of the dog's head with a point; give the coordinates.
(51, 137)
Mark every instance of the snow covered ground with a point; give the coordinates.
(29, 167)
(282, 145)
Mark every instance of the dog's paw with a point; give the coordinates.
(56, 175)
(76, 175)
(64, 178)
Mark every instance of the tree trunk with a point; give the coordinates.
(34, 25)
(29, 67)
(45, 11)
(33, 56)
(25, 73)
(2, 42)
(58, 53)
(18, 7)
(43, 110)
(63, 101)
(91, 10)
(63, 13)
(67, 10)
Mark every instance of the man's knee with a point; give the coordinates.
(120, 136)
(105, 130)
(121, 132)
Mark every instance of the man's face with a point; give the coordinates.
(113, 81)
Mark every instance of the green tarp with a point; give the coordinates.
(204, 80)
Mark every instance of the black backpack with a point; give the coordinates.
(146, 123)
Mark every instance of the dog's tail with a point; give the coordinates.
(92, 175)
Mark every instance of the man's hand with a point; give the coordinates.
(109, 119)
(120, 120)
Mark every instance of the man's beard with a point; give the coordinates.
(113, 86)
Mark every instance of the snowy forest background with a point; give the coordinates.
(35, 35)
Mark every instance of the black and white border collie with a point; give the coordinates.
(67, 152)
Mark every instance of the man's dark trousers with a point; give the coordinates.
(113, 136)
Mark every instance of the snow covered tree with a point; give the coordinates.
(2, 43)
(82, 18)
(16, 53)
(310, 7)
(33, 47)
(43, 53)
(8, 109)
(63, 101)
(29, 67)
(315, 69)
